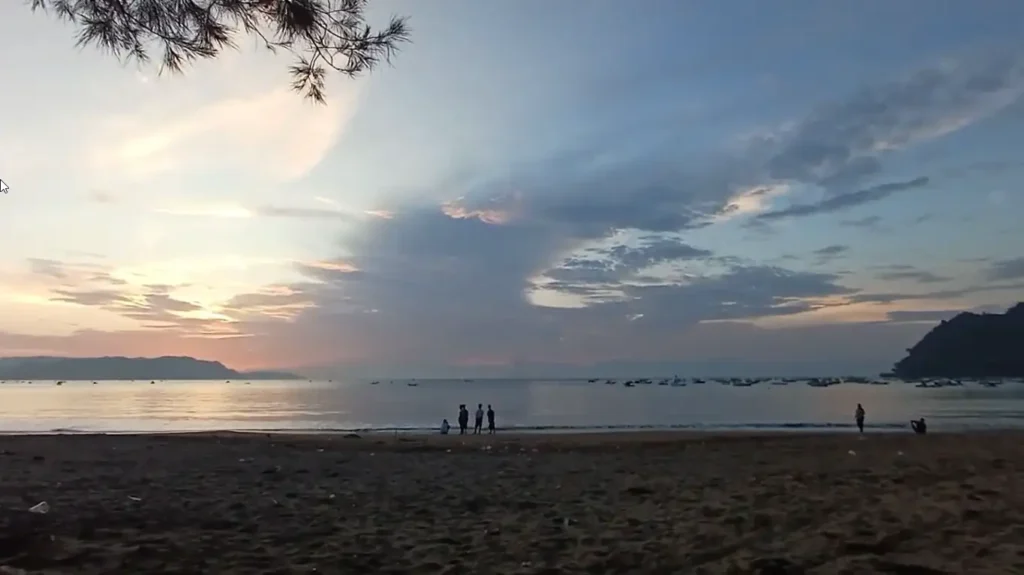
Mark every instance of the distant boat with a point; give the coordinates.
(412, 384)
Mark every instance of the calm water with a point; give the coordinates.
(527, 405)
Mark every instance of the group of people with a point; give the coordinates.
(478, 426)
(918, 425)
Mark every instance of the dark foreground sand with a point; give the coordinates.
(630, 504)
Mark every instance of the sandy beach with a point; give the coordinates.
(610, 503)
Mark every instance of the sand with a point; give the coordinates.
(612, 503)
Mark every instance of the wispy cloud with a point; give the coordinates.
(846, 201)
(269, 135)
(210, 211)
(303, 213)
(1010, 269)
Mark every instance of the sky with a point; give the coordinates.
(532, 188)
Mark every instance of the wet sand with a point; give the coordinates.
(661, 503)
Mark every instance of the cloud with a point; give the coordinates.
(830, 253)
(929, 316)
(497, 210)
(840, 144)
(900, 273)
(208, 211)
(869, 223)
(303, 213)
(233, 211)
(271, 135)
(846, 201)
(616, 263)
(587, 255)
(934, 316)
(176, 306)
(839, 149)
(1010, 269)
(572, 259)
(46, 267)
(751, 202)
(833, 250)
(936, 295)
(465, 283)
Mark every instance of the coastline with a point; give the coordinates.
(637, 502)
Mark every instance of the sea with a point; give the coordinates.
(537, 405)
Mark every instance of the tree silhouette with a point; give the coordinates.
(322, 34)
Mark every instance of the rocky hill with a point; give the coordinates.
(969, 345)
(123, 368)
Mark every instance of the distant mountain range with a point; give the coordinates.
(124, 368)
(969, 345)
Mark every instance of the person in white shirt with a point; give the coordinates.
(478, 426)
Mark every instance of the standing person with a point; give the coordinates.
(490, 419)
(478, 426)
(463, 419)
(859, 416)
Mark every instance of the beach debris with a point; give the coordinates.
(899, 453)
(134, 498)
(42, 508)
(852, 452)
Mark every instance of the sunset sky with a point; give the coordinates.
(533, 187)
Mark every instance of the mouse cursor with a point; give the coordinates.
(4, 187)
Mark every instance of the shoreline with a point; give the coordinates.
(783, 428)
(641, 436)
(516, 432)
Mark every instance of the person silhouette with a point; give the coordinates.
(463, 419)
(478, 423)
(919, 426)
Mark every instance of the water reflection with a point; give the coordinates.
(205, 405)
